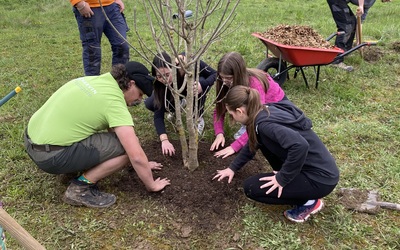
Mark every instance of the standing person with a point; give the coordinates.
(304, 171)
(232, 71)
(162, 100)
(345, 22)
(85, 126)
(92, 24)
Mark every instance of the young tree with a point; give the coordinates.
(180, 25)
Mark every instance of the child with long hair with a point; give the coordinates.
(304, 171)
(162, 100)
(232, 71)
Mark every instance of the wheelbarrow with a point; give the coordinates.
(289, 57)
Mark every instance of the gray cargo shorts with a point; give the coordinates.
(78, 157)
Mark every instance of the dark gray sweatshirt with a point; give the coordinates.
(290, 145)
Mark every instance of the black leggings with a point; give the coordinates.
(297, 192)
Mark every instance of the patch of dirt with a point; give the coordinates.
(372, 54)
(202, 205)
(396, 46)
(296, 35)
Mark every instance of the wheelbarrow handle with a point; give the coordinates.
(334, 34)
(354, 48)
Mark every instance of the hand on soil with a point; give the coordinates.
(159, 184)
(218, 142)
(221, 174)
(155, 165)
(167, 148)
(228, 151)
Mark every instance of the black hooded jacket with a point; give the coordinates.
(285, 138)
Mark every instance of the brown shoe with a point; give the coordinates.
(82, 194)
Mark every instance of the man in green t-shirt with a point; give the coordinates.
(86, 127)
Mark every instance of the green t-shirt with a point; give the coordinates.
(78, 109)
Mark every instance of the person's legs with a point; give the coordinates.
(91, 30)
(99, 155)
(298, 192)
(120, 48)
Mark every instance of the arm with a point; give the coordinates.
(138, 159)
(166, 147)
(280, 138)
(207, 75)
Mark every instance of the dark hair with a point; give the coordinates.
(120, 75)
(239, 96)
(162, 93)
(233, 64)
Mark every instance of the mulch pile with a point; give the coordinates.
(296, 35)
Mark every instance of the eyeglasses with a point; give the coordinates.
(228, 80)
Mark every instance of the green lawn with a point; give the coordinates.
(356, 114)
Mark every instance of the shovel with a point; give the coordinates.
(364, 201)
(359, 34)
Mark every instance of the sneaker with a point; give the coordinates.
(171, 117)
(302, 213)
(200, 126)
(82, 194)
(240, 132)
(183, 103)
(342, 65)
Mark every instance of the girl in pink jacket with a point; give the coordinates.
(232, 71)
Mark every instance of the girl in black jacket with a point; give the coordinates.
(162, 101)
(304, 171)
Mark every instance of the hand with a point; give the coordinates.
(167, 148)
(84, 9)
(155, 165)
(225, 152)
(121, 5)
(219, 141)
(199, 89)
(359, 11)
(159, 184)
(221, 174)
(272, 183)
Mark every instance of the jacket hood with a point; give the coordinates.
(285, 113)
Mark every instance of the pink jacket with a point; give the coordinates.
(274, 94)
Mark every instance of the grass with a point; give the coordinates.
(356, 115)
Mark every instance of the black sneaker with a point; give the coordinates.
(82, 194)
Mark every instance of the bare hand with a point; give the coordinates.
(155, 165)
(272, 183)
(221, 174)
(121, 5)
(167, 148)
(159, 184)
(228, 151)
(84, 9)
(359, 11)
(218, 142)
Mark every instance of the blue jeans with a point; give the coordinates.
(91, 30)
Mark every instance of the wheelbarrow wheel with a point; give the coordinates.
(271, 66)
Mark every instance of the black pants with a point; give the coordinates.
(297, 192)
(345, 21)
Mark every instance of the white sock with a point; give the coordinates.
(309, 202)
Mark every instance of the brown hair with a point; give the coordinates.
(120, 75)
(239, 96)
(233, 64)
